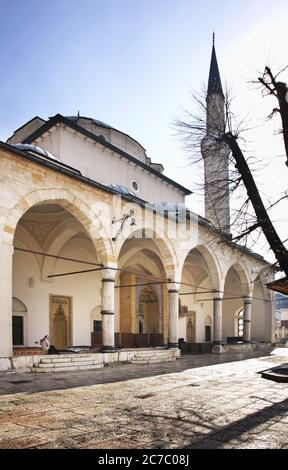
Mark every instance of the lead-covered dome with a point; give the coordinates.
(112, 135)
(36, 149)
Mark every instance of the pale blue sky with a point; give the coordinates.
(132, 63)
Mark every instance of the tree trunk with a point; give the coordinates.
(281, 90)
(263, 218)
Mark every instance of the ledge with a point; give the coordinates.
(277, 374)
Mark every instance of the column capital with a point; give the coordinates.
(217, 295)
(247, 300)
(107, 279)
(109, 273)
(173, 291)
(172, 287)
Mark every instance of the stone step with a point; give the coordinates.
(153, 356)
(148, 356)
(62, 359)
(160, 353)
(152, 361)
(66, 369)
(69, 355)
(69, 364)
(156, 351)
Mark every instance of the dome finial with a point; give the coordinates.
(213, 38)
(78, 114)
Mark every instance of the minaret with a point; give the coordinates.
(216, 154)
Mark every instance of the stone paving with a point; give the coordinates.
(206, 401)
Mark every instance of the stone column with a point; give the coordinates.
(108, 310)
(6, 258)
(217, 323)
(247, 319)
(173, 294)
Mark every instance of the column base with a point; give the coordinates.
(218, 349)
(109, 349)
(172, 345)
(6, 363)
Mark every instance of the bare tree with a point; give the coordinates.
(278, 89)
(221, 138)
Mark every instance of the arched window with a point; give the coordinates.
(208, 329)
(19, 322)
(96, 319)
(240, 323)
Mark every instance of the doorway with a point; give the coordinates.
(60, 322)
(190, 328)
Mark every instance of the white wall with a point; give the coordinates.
(261, 320)
(199, 305)
(231, 307)
(99, 164)
(83, 288)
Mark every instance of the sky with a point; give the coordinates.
(134, 63)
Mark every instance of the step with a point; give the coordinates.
(69, 359)
(66, 369)
(156, 361)
(148, 356)
(69, 355)
(156, 351)
(69, 364)
(152, 361)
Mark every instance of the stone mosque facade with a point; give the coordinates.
(98, 250)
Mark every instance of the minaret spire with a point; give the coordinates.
(214, 81)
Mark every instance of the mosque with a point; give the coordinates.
(98, 250)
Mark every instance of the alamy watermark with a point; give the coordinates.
(124, 219)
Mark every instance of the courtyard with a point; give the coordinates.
(199, 401)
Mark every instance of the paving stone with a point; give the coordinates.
(195, 402)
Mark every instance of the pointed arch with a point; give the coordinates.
(73, 204)
(208, 320)
(243, 274)
(212, 265)
(165, 248)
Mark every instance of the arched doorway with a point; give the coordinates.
(190, 329)
(208, 329)
(236, 287)
(148, 311)
(96, 327)
(19, 323)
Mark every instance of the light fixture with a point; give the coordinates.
(130, 215)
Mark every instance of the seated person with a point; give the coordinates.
(46, 346)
